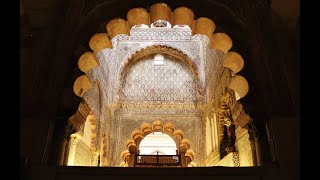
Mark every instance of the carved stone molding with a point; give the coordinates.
(230, 160)
(157, 108)
(177, 42)
(74, 139)
(235, 157)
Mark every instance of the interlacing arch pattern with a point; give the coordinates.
(161, 13)
(181, 16)
(131, 145)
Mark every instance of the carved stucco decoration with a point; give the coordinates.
(177, 42)
(183, 144)
(119, 107)
(204, 67)
(189, 125)
(169, 108)
(171, 81)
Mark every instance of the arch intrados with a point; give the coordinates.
(99, 11)
(169, 134)
(152, 131)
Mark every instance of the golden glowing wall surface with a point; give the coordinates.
(243, 156)
(87, 133)
(228, 161)
(244, 149)
(208, 138)
(82, 154)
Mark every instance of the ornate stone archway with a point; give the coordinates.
(132, 145)
(178, 37)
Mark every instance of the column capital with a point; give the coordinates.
(74, 138)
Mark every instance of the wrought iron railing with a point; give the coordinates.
(157, 160)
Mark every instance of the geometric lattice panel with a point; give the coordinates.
(172, 80)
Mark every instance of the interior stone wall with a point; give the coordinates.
(213, 159)
(145, 81)
(86, 137)
(243, 156)
(208, 137)
(166, 93)
(190, 125)
(82, 156)
(230, 160)
(244, 148)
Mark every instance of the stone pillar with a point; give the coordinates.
(212, 134)
(66, 152)
(258, 153)
(59, 144)
(103, 158)
(65, 145)
(215, 132)
(131, 160)
(178, 136)
(74, 139)
(177, 139)
(187, 161)
(133, 150)
(62, 151)
(183, 160)
(95, 156)
(254, 142)
(253, 147)
(103, 151)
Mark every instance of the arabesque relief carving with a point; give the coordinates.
(124, 86)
